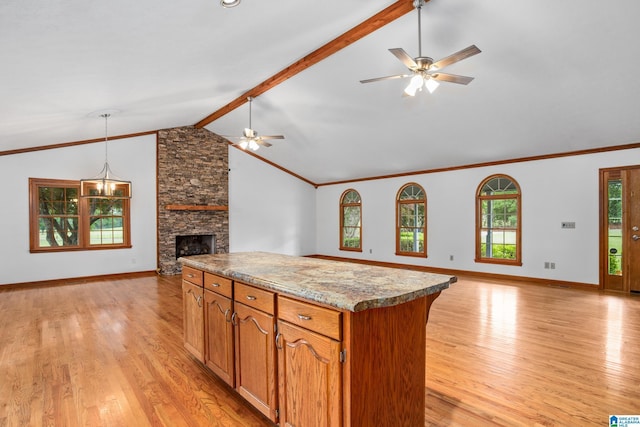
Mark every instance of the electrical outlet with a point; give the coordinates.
(450, 257)
(568, 224)
(546, 264)
(552, 265)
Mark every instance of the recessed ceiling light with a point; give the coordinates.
(229, 3)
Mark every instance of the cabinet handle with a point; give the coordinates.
(190, 275)
(215, 285)
(231, 319)
(251, 298)
(278, 341)
(303, 317)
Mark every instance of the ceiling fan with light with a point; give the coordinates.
(250, 138)
(424, 71)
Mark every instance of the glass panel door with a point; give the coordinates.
(614, 227)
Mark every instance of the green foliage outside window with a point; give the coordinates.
(350, 233)
(412, 220)
(60, 219)
(614, 191)
(58, 216)
(498, 223)
(105, 221)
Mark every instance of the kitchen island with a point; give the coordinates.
(312, 342)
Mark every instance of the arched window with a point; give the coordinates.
(411, 221)
(350, 221)
(498, 223)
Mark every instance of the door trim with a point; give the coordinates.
(603, 225)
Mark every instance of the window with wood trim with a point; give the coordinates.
(498, 222)
(351, 221)
(60, 220)
(411, 221)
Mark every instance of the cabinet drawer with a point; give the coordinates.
(192, 275)
(218, 284)
(255, 297)
(318, 319)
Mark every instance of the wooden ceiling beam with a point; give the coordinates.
(380, 19)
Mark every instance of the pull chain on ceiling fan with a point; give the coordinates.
(250, 138)
(424, 71)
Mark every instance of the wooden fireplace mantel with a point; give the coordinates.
(196, 208)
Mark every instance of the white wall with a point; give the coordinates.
(133, 159)
(269, 210)
(553, 191)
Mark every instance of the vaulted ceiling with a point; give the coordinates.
(553, 77)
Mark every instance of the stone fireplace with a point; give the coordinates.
(193, 192)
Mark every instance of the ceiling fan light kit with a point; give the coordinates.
(424, 71)
(229, 3)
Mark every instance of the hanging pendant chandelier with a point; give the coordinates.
(105, 184)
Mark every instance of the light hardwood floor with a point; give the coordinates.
(110, 353)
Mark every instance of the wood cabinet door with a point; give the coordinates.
(218, 354)
(309, 378)
(255, 358)
(193, 323)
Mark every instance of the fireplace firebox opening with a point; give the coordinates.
(194, 244)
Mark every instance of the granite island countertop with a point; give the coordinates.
(344, 285)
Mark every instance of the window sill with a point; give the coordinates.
(499, 261)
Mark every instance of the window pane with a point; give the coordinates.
(58, 231)
(351, 237)
(351, 216)
(412, 214)
(105, 221)
(57, 222)
(411, 239)
(615, 227)
(412, 192)
(351, 197)
(499, 185)
(57, 194)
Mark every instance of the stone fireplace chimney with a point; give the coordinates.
(193, 191)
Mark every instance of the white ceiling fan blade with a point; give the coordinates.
(377, 79)
(263, 137)
(260, 141)
(404, 57)
(452, 78)
(455, 57)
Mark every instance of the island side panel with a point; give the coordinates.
(385, 368)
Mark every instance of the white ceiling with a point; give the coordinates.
(553, 76)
